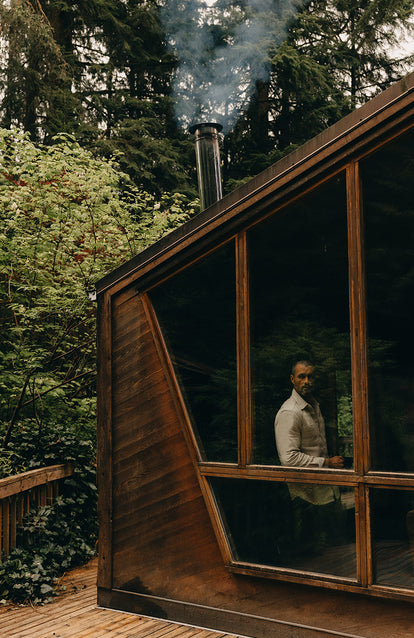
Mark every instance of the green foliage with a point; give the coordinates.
(24, 578)
(11, 463)
(352, 41)
(62, 226)
(345, 419)
(31, 447)
(100, 70)
(34, 76)
(56, 537)
(154, 162)
(50, 541)
(66, 220)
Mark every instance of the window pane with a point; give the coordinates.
(387, 179)
(392, 515)
(299, 280)
(196, 311)
(282, 525)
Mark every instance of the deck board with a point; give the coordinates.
(75, 614)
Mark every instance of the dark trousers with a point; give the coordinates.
(316, 527)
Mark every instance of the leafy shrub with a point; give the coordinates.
(51, 540)
(23, 577)
(56, 537)
(66, 219)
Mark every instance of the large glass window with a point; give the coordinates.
(387, 179)
(197, 312)
(300, 311)
(268, 525)
(392, 517)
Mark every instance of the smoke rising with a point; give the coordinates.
(222, 49)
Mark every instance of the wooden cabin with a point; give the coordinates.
(311, 260)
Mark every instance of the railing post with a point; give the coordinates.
(6, 526)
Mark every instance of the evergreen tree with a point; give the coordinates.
(337, 55)
(32, 71)
(99, 69)
(354, 40)
(129, 98)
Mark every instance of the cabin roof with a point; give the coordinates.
(321, 155)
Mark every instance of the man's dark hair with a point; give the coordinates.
(303, 362)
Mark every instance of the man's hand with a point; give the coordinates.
(335, 462)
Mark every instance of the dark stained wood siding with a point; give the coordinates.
(161, 529)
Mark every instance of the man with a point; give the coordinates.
(301, 441)
(299, 425)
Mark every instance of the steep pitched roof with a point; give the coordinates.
(322, 155)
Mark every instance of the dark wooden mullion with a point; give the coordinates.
(358, 325)
(358, 319)
(367, 536)
(280, 474)
(244, 411)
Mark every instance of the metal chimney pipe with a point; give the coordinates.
(208, 162)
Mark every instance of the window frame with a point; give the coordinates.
(361, 478)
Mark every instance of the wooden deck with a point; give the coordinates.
(75, 614)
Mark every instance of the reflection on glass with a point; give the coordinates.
(281, 525)
(299, 283)
(387, 179)
(392, 515)
(197, 312)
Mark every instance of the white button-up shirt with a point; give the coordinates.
(300, 433)
(301, 441)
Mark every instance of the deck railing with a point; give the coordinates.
(23, 492)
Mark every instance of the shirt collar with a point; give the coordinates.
(302, 403)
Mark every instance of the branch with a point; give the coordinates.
(16, 410)
(59, 385)
(39, 8)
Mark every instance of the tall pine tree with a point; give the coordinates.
(337, 55)
(99, 69)
(33, 72)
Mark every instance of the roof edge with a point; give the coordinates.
(248, 190)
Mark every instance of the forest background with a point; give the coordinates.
(96, 162)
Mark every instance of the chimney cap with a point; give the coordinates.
(194, 127)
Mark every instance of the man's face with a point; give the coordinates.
(303, 380)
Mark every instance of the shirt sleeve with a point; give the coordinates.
(288, 441)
